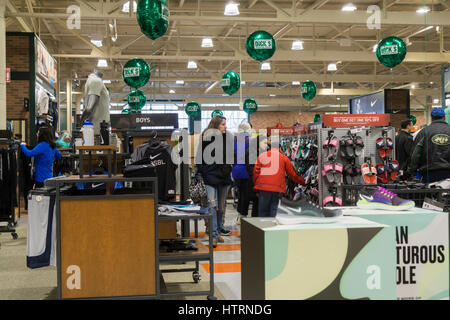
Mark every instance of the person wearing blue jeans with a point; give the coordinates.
(269, 202)
(217, 197)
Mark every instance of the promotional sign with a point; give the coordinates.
(130, 121)
(287, 131)
(46, 66)
(356, 120)
(368, 104)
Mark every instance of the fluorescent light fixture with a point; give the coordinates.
(242, 83)
(338, 98)
(265, 66)
(332, 67)
(179, 82)
(349, 7)
(297, 45)
(172, 91)
(126, 7)
(102, 63)
(231, 9)
(224, 95)
(97, 43)
(272, 95)
(423, 10)
(107, 81)
(207, 43)
(192, 65)
(431, 82)
(413, 86)
(438, 29)
(295, 83)
(375, 46)
(436, 101)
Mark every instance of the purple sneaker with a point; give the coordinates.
(382, 198)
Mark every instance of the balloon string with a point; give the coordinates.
(426, 99)
(154, 70)
(392, 80)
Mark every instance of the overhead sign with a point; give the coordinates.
(356, 120)
(158, 120)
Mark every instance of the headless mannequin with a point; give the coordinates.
(92, 101)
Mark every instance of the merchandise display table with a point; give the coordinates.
(422, 248)
(349, 259)
(107, 243)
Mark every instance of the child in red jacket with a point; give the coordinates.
(269, 178)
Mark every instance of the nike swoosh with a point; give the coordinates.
(372, 103)
(396, 111)
(96, 185)
(154, 157)
(367, 198)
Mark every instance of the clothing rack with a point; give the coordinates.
(10, 145)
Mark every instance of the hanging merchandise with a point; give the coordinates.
(153, 17)
(308, 90)
(136, 99)
(317, 118)
(231, 82)
(216, 112)
(136, 73)
(260, 45)
(250, 106)
(126, 110)
(413, 120)
(192, 109)
(391, 51)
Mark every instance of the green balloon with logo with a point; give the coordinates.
(308, 90)
(231, 82)
(136, 73)
(192, 109)
(216, 112)
(136, 99)
(153, 17)
(250, 106)
(260, 45)
(391, 51)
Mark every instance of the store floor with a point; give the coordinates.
(17, 282)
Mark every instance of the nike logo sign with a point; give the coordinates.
(367, 198)
(372, 103)
(96, 185)
(396, 111)
(154, 157)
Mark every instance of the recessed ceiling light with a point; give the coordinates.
(423, 10)
(297, 45)
(265, 66)
(207, 43)
(332, 67)
(436, 101)
(126, 7)
(179, 82)
(295, 83)
(172, 91)
(431, 82)
(231, 9)
(192, 65)
(349, 7)
(102, 63)
(97, 43)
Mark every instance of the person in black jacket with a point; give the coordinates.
(432, 152)
(404, 145)
(214, 163)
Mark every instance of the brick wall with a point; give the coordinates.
(265, 119)
(17, 58)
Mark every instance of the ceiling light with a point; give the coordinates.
(179, 82)
(102, 63)
(192, 65)
(413, 86)
(349, 7)
(207, 43)
(297, 45)
(438, 29)
(332, 67)
(338, 98)
(231, 9)
(375, 46)
(97, 43)
(172, 91)
(272, 95)
(295, 83)
(265, 66)
(242, 83)
(423, 10)
(431, 82)
(107, 81)
(224, 95)
(126, 7)
(436, 101)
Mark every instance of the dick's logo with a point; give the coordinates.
(192, 108)
(225, 82)
(134, 99)
(251, 106)
(389, 50)
(131, 72)
(263, 44)
(304, 90)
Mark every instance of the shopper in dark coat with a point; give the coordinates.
(404, 145)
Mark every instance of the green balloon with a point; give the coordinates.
(260, 45)
(231, 82)
(317, 118)
(216, 112)
(136, 73)
(192, 109)
(153, 17)
(391, 51)
(308, 90)
(126, 111)
(413, 119)
(136, 99)
(250, 106)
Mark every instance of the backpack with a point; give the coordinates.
(197, 191)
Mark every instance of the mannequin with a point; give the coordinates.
(96, 101)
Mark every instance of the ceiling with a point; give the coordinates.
(329, 35)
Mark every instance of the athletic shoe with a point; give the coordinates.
(307, 208)
(220, 239)
(214, 243)
(225, 232)
(383, 199)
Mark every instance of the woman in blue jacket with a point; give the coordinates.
(44, 154)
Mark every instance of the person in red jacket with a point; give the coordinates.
(269, 177)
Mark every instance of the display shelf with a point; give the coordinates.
(187, 255)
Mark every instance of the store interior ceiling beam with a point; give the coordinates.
(12, 10)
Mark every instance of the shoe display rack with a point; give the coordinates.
(353, 156)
